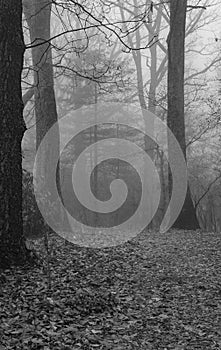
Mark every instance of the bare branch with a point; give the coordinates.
(207, 190)
(196, 7)
(28, 95)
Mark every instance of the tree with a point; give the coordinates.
(38, 14)
(175, 119)
(12, 243)
(38, 17)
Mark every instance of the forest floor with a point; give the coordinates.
(158, 291)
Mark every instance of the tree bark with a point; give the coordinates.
(12, 243)
(175, 120)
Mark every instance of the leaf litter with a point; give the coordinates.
(157, 291)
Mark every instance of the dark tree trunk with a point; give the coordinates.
(12, 243)
(176, 44)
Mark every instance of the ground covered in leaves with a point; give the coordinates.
(158, 291)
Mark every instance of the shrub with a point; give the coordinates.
(34, 225)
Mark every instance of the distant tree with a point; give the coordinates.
(38, 17)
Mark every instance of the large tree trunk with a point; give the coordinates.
(12, 126)
(176, 43)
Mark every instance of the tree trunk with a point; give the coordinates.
(38, 16)
(176, 43)
(12, 249)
